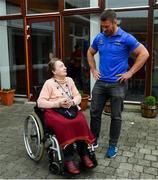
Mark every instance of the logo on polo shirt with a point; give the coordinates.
(101, 42)
(118, 43)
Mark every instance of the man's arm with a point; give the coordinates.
(91, 61)
(142, 55)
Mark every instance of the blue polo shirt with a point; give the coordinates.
(114, 52)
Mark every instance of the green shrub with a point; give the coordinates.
(7, 90)
(150, 101)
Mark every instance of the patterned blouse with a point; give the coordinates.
(53, 92)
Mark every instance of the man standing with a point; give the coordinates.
(114, 46)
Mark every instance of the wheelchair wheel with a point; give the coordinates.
(92, 156)
(33, 137)
(56, 166)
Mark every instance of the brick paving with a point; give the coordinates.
(137, 148)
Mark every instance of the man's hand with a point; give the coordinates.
(141, 54)
(124, 77)
(96, 74)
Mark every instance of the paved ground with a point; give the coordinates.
(137, 156)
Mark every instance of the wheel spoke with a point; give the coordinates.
(33, 133)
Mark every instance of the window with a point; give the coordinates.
(77, 38)
(70, 4)
(9, 7)
(155, 57)
(125, 3)
(42, 6)
(135, 22)
(43, 42)
(12, 63)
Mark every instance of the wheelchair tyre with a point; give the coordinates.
(92, 156)
(33, 137)
(56, 166)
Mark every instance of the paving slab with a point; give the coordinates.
(137, 148)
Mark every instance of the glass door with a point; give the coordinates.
(43, 42)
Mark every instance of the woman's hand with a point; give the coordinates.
(66, 103)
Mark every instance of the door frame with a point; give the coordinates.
(29, 44)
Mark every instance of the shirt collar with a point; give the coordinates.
(118, 33)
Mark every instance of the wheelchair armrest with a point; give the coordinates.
(40, 113)
(37, 90)
(38, 110)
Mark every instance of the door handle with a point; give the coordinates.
(28, 36)
(27, 27)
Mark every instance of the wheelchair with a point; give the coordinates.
(38, 138)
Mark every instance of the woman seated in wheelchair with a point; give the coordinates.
(61, 92)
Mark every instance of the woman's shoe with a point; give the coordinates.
(71, 167)
(87, 161)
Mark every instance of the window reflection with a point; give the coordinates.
(12, 63)
(77, 32)
(135, 22)
(42, 6)
(70, 4)
(155, 57)
(43, 47)
(9, 7)
(76, 37)
(125, 3)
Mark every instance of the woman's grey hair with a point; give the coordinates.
(108, 15)
(51, 65)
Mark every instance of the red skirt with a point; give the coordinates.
(66, 130)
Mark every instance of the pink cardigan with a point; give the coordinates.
(52, 94)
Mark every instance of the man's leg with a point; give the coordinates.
(117, 96)
(115, 126)
(97, 105)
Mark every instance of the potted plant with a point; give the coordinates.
(148, 107)
(107, 107)
(7, 96)
(84, 100)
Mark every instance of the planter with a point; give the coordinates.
(84, 102)
(148, 111)
(107, 107)
(7, 97)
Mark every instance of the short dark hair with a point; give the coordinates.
(108, 15)
(51, 65)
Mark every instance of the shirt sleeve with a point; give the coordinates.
(132, 42)
(94, 44)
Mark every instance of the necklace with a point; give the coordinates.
(61, 81)
(67, 93)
